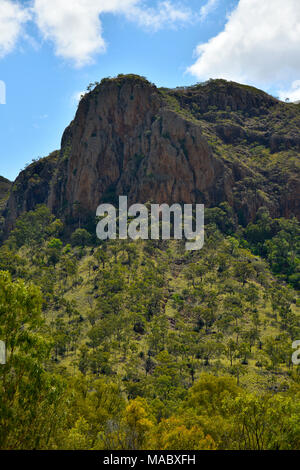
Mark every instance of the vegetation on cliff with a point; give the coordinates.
(213, 142)
(144, 345)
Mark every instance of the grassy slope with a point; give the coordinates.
(126, 354)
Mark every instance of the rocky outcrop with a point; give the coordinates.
(5, 186)
(224, 96)
(126, 141)
(130, 138)
(32, 187)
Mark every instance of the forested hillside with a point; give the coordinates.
(142, 344)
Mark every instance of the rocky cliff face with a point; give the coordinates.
(5, 186)
(32, 187)
(125, 140)
(205, 144)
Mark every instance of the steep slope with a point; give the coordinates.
(159, 327)
(5, 186)
(32, 187)
(214, 142)
(143, 344)
(126, 140)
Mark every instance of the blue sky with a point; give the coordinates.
(45, 62)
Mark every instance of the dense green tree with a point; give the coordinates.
(29, 396)
(81, 237)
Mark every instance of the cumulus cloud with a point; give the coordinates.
(74, 27)
(12, 18)
(76, 30)
(260, 44)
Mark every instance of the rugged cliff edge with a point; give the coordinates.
(214, 142)
(5, 186)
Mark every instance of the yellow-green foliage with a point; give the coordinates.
(144, 345)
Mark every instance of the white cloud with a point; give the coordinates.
(293, 94)
(260, 44)
(12, 18)
(207, 8)
(165, 14)
(75, 26)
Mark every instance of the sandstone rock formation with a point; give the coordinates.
(185, 145)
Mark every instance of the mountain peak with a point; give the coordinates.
(213, 142)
